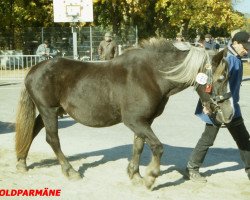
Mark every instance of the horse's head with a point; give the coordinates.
(213, 89)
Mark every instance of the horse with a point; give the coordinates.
(132, 88)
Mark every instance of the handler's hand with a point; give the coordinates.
(205, 110)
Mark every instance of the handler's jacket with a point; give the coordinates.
(107, 50)
(235, 78)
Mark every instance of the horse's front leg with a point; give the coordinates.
(143, 130)
(133, 166)
(153, 169)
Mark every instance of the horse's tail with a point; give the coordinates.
(25, 120)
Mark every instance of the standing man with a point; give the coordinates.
(236, 50)
(107, 48)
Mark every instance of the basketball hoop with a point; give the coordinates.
(73, 10)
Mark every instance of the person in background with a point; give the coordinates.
(108, 48)
(43, 50)
(216, 44)
(236, 50)
(52, 51)
(209, 44)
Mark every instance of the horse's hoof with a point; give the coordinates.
(73, 175)
(21, 168)
(137, 179)
(149, 181)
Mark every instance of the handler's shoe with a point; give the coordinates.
(195, 176)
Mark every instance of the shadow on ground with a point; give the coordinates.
(6, 127)
(245, 79)
(7, 84)
(176, 157)
(66, 123)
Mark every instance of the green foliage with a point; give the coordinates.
(151, 17)
(167, 17)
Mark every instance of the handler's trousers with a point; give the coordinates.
(239, 133)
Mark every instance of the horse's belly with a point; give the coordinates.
(98, 116)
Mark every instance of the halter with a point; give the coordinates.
(214, 99)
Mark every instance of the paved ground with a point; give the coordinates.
(102, 148)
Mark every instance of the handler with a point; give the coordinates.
(236, 50)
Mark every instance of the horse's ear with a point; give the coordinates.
(221, 69)
(217, 58)
(219, 64)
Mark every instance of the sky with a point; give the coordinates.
(243, 6)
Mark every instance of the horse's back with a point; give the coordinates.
(96, 94)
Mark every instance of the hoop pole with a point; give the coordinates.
(136, 36)
(91, 43)
(75, 54)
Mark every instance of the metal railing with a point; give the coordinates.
(13, 67)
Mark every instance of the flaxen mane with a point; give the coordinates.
(159, 45)
(185, 72)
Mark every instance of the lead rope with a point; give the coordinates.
(209, 74)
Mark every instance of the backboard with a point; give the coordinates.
(73, 10)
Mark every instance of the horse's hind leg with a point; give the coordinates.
(22, 155)
(133, 167)
(49, 116)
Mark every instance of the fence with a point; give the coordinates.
(15, 62)
(14, 67)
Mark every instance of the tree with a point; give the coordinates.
(17, 14)
(152, 17)
(167, 17)
(202, 15)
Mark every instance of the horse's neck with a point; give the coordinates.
(171, 88)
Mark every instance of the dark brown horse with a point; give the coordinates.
(132, 88)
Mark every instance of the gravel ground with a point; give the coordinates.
(101, 155)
